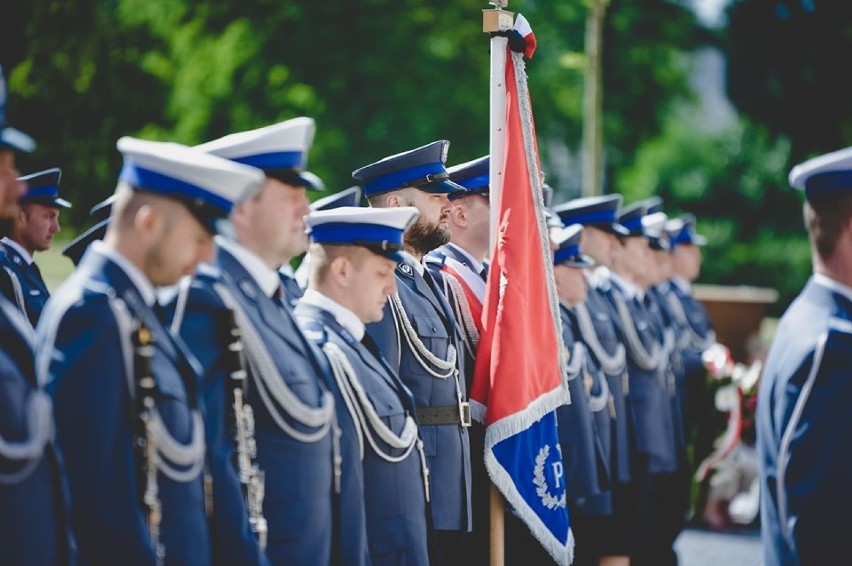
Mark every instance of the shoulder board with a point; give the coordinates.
(840, 325)
(314, 331)
(436, 258)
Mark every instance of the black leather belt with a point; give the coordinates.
(458, 415)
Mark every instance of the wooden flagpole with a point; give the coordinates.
(496, 19)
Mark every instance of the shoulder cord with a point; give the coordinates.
(18, 291)
(421, 353)
(367, 420)
(692, 337)
(38, 413)
(271, 385)
(646, 360)
(611, 364)
(461, 306)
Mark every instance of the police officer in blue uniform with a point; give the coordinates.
(355, 252)
(599, 330)
(128, 423)
(419, 338)
(20, 279)
(460, 268)
(584, 425)
(298, 279)
(803, 429)
(656, 459)
(33, 518)
(279, 495)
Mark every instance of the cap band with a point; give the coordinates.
(146, 179)
(428, 173)
(275, 160)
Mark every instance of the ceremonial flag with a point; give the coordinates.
(518, 383)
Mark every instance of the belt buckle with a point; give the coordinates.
(464, 413)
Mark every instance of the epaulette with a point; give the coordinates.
(208, 270)
(436, 258)
(315, 332)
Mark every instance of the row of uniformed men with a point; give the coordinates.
(392, 303)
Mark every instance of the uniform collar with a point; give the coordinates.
(628, 289)
(833, 285)
(345, 317)
(681, 284)
(287, 271)
(409, 259)
(21, 251)
(474, 265)
(139, 279)
(266, 278)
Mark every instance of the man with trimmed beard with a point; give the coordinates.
(418, 334)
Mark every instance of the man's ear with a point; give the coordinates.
(393, 200)
(146, 222)
(341, 270)
(459, 216)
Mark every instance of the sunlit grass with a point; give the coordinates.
(54, 266)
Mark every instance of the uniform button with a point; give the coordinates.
(433, 328)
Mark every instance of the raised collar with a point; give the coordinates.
(266, 278)
(409, 259)
(476, 266)
(18, 248)
(139, 279)
(345, 317)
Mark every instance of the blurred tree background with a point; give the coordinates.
(382, 76)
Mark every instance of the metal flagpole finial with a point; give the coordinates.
(497, 19)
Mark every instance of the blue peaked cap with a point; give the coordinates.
(568, 251)
(43, 188)
(10, 138)
(599, 212)
(78, 246)
(474, 176)
(381, 230)
(828, 173)
(631, 218)
(347, 197)
(682, 232)
(207, 185)
(421, 168)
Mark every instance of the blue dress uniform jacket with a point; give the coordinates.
(85, 350)
(804, 432)
(447, 446)
(391, 493)
(605, 333)
(21, 283)
(582, 453)
(298, 475)
(649, 397)
(33, 525)
(292, 291)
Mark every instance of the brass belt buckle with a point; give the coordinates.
(464, 413)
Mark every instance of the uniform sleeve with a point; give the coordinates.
(816, 482)
(205, 331)
(88, 381)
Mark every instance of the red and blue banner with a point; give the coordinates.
(518, 382)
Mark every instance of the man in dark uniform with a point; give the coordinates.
(37, 222)
(75, 249)
(280, 494)
(354, 254)
(419, 338)
(127, 418)
(33, 520)
(599, 330)
(651, 391)
(803, 426)
(584, 425)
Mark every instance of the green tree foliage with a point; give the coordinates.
(788, 62)
(735, 182)
(378, 76)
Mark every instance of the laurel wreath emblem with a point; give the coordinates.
(548, 500)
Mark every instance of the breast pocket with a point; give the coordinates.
(433, 336)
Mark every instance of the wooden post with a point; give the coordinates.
(593, 101)
(494, 20)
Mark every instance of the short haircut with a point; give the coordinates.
(322, 256)
(826, 217)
